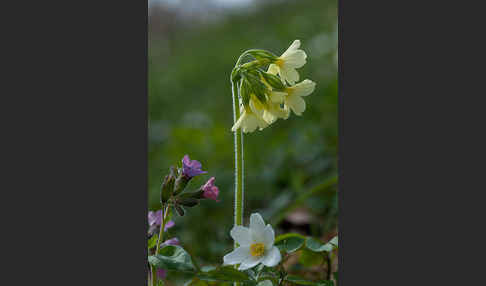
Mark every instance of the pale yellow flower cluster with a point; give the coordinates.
(279, 94)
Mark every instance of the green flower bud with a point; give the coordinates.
(196, 195)
(235, 74)
(180, 183)
(167, 186)
(274, 81)
(263, 55)
(258, 88)
(245, 90)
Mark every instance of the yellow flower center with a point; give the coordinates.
(279, 62)
(257, 249)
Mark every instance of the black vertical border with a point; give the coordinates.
(75, 149)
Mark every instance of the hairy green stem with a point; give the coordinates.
(238, 219)
(159, 240)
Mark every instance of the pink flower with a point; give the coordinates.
(210, 190)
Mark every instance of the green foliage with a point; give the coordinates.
(300, 281)
(175, 258)
(172, 257)
(310, 258)
(316, 246)
(225, 273)
(291, 242)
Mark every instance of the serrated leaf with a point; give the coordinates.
(172, 257)
(224, 273)
(301, 281)
(289, 242)
(316, 246)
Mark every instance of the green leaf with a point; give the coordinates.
(316, 246)
(265, 283)
(301, 281)
(336, 276)
(224, 273)
(172, 257)
(310, 258)
(152, 242)
(289, 242)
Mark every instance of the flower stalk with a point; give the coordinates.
(160, 239)
(238, 141)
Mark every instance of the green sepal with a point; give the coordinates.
(168, 186)
(188, 202)
(179, 209)
(180, 183)
(273, 80)
(263, 55)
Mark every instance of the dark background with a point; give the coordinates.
(291, 166)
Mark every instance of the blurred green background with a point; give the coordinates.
(291, 166)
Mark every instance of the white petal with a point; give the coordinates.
(277, 96)
(295, 59)
(296, 103)
(294, 46)
(249, 124)
(250, 262)
(268, 237)
(289, 74)
(273, 69)
(257, 226)
(262, 123)
(272, 257)
(256, 107)
(237, 256)
(304, 88)
(241, 235)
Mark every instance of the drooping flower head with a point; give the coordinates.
(285, 65)
(256, 245)
(210, 190)
(265, 97)
(191, 168)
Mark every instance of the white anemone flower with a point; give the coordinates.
(295, 93)
(256, 245)
(249, 121)
(285, 65)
